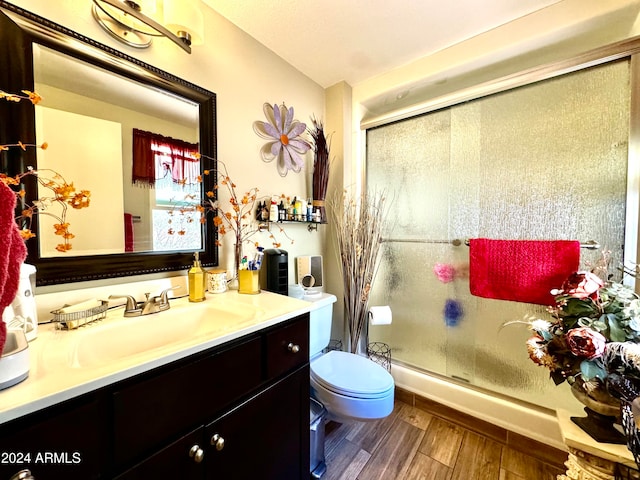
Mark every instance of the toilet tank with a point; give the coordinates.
(320, 318)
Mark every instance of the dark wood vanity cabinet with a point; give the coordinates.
(65, 441)
(175, 461)
(237, 411)
(264, 437)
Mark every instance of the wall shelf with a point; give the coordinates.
(311, 226)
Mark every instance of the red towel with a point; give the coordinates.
(521, 270)
(128, 232)
(12, 254)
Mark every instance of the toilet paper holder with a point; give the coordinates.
(379, 352)
(380, 315)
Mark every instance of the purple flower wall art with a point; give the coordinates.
(283, 134)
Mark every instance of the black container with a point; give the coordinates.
(275, 271)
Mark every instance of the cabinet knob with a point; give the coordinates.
(196, 453)
(293, 348)
(217, 441)
(23, 475)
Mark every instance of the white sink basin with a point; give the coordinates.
(182, 323)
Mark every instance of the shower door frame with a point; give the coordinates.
(629, 48)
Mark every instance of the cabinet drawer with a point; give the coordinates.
(287, 347)
(153, 411)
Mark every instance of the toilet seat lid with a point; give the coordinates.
(351, 375)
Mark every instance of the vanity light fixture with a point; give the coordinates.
(124, 21)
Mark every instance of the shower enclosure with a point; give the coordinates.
(547, 161)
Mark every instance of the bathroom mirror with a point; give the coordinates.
(89, 83)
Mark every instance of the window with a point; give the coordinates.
(171, 168)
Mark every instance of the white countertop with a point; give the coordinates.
(573, 436)
(65, 364)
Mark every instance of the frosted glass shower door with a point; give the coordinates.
(544, 161)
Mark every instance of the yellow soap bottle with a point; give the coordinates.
(197, 279)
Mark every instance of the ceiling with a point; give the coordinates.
(354, 40)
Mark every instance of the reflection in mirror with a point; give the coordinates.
(107, 108)
(124, 232)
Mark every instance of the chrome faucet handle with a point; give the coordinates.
(131, 302)
(164, 296)
(150, 304)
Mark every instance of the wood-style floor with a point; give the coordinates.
(413, 444)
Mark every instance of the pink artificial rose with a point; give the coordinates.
(445, 272)
(583, 285)
(584, 342)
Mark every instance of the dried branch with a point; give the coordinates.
(359, 224)
(320, 166)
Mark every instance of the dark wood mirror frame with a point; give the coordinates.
(19, 29)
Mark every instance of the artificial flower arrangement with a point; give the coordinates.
(237, 219)
(593, 342)
(64, 194)
(588, 314)
(584, 343)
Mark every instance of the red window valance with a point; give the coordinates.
(156, 156)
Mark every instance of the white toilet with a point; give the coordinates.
(351, 387)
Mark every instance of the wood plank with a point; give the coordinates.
(412, 444)
(368, 435)
(393, 457)
(426, 468)
(505, 475)
(467, 421)
(525, 466)
(334, 434)
(404, 396)
(442, 441)
(345, 461)
(479, 459)
(414, 416)
(539, 450)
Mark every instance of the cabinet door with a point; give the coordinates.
(69, 440)
(182, 460)
(150, 413)
(266, 437)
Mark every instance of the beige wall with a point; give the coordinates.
(244, 74)
(82, 161)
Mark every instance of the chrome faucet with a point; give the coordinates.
(150, 305)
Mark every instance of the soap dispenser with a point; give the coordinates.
(197, 280)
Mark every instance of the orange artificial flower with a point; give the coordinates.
(63, 247)
(26, 234)
(33, 96)
(61, 228)
(80, 200)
